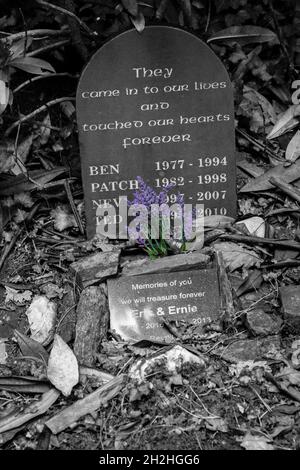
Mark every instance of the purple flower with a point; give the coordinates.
(146, 196)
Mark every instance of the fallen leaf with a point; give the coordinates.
(19, 297)
(246, 34)
(250, 168)
(252, 282)
(216, 424)
(255, 107)
(42, 316)
(286, 121)
(255, 226)
(62, 370)
(261, 183)
(30, 347)
(236, 256)
(217, 221)
(293, 149)
(52, 290)
(251, 442)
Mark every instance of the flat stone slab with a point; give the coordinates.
(184, 262)
(92, 323)
(290, 299)
(251, 349)
(96, 267)
(260, 323)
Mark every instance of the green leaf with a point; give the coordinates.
(245, 35)
(32, 65)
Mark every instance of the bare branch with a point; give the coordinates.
(36, 112)
(68, 13)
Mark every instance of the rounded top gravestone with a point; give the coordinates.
(157, 105)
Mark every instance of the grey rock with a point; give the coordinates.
(96, 267)
(251, 349)
(182, 262)
(92, 323)
(290, 299)
(260, 323)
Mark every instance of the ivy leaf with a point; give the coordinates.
(32, 65)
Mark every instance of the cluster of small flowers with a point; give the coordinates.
(147, 196)
(157, 202)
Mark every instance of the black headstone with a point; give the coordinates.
(138, 304)
(157, 105)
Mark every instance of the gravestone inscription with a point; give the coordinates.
(138, 304)
(157, 105)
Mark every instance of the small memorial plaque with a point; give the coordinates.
(138, 304)
(157, 105)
